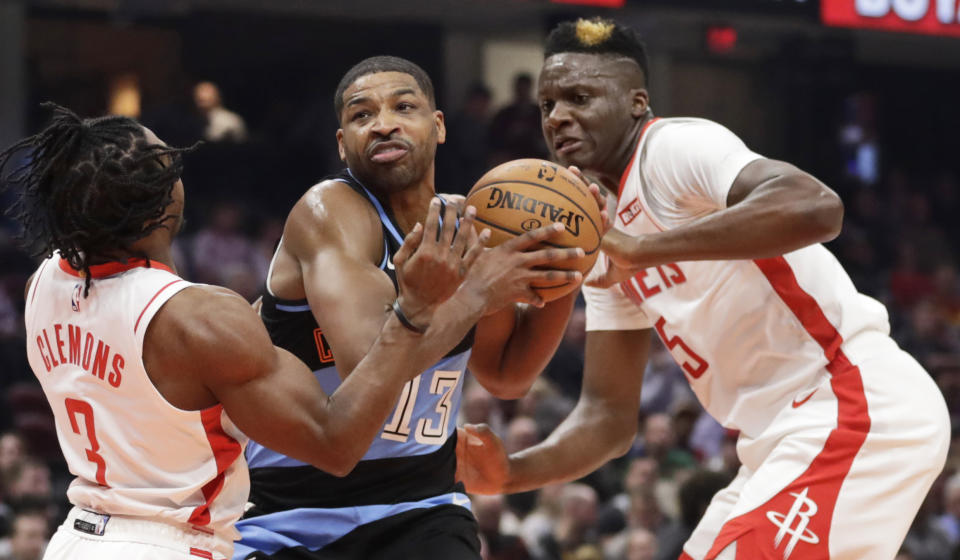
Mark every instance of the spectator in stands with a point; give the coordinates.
(465, 156)
(641, 545)
(515, 130)
(222, 125)
(29, 537)
(497, 544)
(565, 369)
(694, 496)
(578, 514)
(537, 527)
(12, 455)
(221, 246)
(659, 442)
(522, 432)
(949, 521)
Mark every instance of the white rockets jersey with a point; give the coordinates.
(132, 452)
(748, 334)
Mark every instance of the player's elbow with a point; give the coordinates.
(504, 385)
(508, 391)
(827, 215)
(624, 437)
(337, 456)
(621, 431)
(339, 466)
(820, 214)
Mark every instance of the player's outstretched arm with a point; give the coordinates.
(602, 425)
(212, 337)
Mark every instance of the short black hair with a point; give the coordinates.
(376, 64)
(89, 187)
(598, 36)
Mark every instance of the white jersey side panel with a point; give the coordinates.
(749, 335)
(132, 452)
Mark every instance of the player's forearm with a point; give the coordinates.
(585, 441)
(783, 215)
(517, 345)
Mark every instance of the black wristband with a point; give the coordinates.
(403, 318)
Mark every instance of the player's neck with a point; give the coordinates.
(610, 176)
(410, 205)
(155, 247)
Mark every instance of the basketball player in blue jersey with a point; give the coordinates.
(331, 279)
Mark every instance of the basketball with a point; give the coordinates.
(525, 194)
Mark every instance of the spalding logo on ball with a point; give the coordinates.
(525, 194)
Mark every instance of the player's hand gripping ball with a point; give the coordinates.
(525, 194)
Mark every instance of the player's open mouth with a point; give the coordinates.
(566, 145)
(386, 152)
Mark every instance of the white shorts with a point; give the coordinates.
(840, 473)
(86, 535)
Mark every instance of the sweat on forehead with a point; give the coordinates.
(597, 66)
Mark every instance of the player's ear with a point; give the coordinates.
(640, 102)
(441, 126)
(343, 154)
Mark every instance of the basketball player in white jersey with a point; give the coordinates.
(716, 249)
(155, 382)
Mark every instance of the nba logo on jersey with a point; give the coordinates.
(75, 298)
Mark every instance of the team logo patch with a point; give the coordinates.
(632, 210)
(75, 298)
(794, 523)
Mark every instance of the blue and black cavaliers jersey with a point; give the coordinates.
(410, 465)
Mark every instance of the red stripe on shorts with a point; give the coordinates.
(201, 553)
(796, 522)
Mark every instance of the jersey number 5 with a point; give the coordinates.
(77, 408)
(693, 364)
(428, 432)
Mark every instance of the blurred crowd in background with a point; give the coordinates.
(899, 244)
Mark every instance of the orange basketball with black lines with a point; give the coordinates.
(525, 194)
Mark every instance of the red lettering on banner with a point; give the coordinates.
(931, 17)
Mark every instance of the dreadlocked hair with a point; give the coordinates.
(598, 36)
(89, 188)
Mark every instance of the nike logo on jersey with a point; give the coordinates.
(461, 500)
(390, 263)
(796, 403)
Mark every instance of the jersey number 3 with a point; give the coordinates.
(428, 432)
(77, 408)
